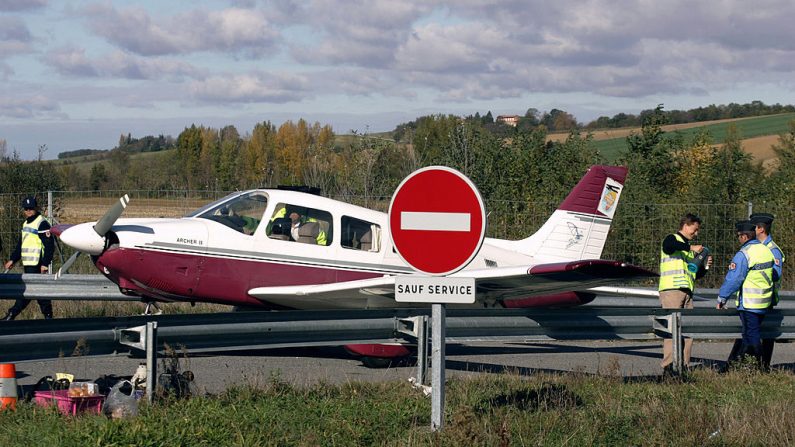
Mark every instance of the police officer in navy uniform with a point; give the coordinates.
(764, 224)
(751, 276)
(35, 250)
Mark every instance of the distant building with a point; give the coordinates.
(511, 120)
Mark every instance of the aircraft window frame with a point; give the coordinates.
(213, 204)
(242, 213)
(361, 227)
(280, 225)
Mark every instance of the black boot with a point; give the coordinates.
(48, 316)
(10, 315)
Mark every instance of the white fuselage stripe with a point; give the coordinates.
(279, 259)
(429, 221)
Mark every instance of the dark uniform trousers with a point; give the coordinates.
(21, 303)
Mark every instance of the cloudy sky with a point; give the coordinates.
(77, 74)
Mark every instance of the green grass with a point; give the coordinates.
(740, 408)
(747, 128)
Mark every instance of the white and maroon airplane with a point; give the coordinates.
(243, 250)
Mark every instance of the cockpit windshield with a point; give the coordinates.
(212, 205)
(241, 213)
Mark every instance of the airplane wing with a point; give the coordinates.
(582, 275)
(491, 283)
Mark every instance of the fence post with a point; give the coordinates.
(49, 219)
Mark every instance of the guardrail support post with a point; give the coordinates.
(422, 349)
(438, 313)
(676, 341)
(150, 341)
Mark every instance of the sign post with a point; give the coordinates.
(437, 221)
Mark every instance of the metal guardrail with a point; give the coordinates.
(40, 339)
(74, 287)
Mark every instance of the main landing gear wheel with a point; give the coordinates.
(377, 362)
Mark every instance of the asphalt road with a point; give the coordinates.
(311, 366)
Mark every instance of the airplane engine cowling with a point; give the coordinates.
(563, 299)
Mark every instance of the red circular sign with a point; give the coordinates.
(437, 220)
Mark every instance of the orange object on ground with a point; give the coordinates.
(8, 386)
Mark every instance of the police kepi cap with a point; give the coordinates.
(762, 218)
(744, 225)
(29, 203)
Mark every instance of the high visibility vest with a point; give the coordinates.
(777, 284)
(321, 235)
(32, 247)
(673, 269)
(757, 291)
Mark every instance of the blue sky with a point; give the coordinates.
(77, 74)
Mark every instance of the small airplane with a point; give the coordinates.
(288, 249)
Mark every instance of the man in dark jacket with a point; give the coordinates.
(35, 250)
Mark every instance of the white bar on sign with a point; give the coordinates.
(429, 221)
(434, 289)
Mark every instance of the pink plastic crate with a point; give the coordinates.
(70, 405)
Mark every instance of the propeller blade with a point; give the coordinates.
(106, 222)
(65, 267)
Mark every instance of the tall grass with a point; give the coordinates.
(742, 407)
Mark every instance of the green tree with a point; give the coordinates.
(259, 156)
(731, 176)
(189, 147)
(651, 161)
(99, 177)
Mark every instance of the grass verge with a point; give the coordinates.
(542, 409)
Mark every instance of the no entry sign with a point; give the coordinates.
(437, 220)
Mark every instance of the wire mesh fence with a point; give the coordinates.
(634, 237)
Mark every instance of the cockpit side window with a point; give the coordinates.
(242, 214)
(359, 234)
(300, 224)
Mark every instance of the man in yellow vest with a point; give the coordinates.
(751, 275)
(678, 273)
(35, 250)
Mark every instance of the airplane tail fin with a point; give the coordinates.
(578, 228)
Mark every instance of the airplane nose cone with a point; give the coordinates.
(83, 238)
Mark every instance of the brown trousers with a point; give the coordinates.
(675, 299)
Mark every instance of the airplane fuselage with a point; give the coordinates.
(205, 258)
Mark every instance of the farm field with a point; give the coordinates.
(757, 133)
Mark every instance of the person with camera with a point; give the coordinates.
(679, 270)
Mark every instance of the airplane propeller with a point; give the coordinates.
(104, 224)
(65, 267)
(84, 242)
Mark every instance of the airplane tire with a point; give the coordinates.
(377, 362)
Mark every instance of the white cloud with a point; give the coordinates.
(73, 61)
(21, 5)
(246, 31)
(252, 87)
(26, 107)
